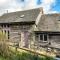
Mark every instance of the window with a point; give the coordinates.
(5, 31)
(8, 34)
(43, 37)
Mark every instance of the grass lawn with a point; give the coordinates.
(25, 56)
(22, 55)
(2, 58)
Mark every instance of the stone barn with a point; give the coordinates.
(31, 28)
(18, 25)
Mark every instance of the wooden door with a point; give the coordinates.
(25, 39)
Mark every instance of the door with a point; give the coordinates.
(25, 39)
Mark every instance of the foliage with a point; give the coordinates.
(26, 56)
(4, 49)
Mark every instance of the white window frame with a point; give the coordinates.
(43, 38)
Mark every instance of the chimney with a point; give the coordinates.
(41, 10)
(39, 16)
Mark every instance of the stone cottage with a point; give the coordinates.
(31, 28)
(47, 31)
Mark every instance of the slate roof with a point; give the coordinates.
(49, 22)
(20, 16)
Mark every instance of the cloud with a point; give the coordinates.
(30, 4)
(47, 4)
(10, 5)
(47, 1)
(16, 5)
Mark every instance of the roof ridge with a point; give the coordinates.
(21, 11)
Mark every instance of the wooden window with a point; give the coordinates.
(5, 31)
(43, 37)
(8, 34)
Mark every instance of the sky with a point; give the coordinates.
(49, 6)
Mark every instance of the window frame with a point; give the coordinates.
(43, 39)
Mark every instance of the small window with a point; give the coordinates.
(41, 37)
(8, 34)
(5, 31)
(45, 37)
(7, 25)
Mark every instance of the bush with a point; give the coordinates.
(4, 49)
(25, 56)
(29, 56)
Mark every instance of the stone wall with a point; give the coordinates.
(21, 34)
(55, 41)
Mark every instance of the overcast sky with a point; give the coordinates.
(49, 6)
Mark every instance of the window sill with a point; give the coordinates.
(44, 41)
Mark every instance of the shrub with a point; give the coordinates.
(29, 56)
(4, 49)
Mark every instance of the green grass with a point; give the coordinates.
(2, 58)
(25, 56)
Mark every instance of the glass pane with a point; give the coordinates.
(45, 37)
(8, 34)
(41, 37)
